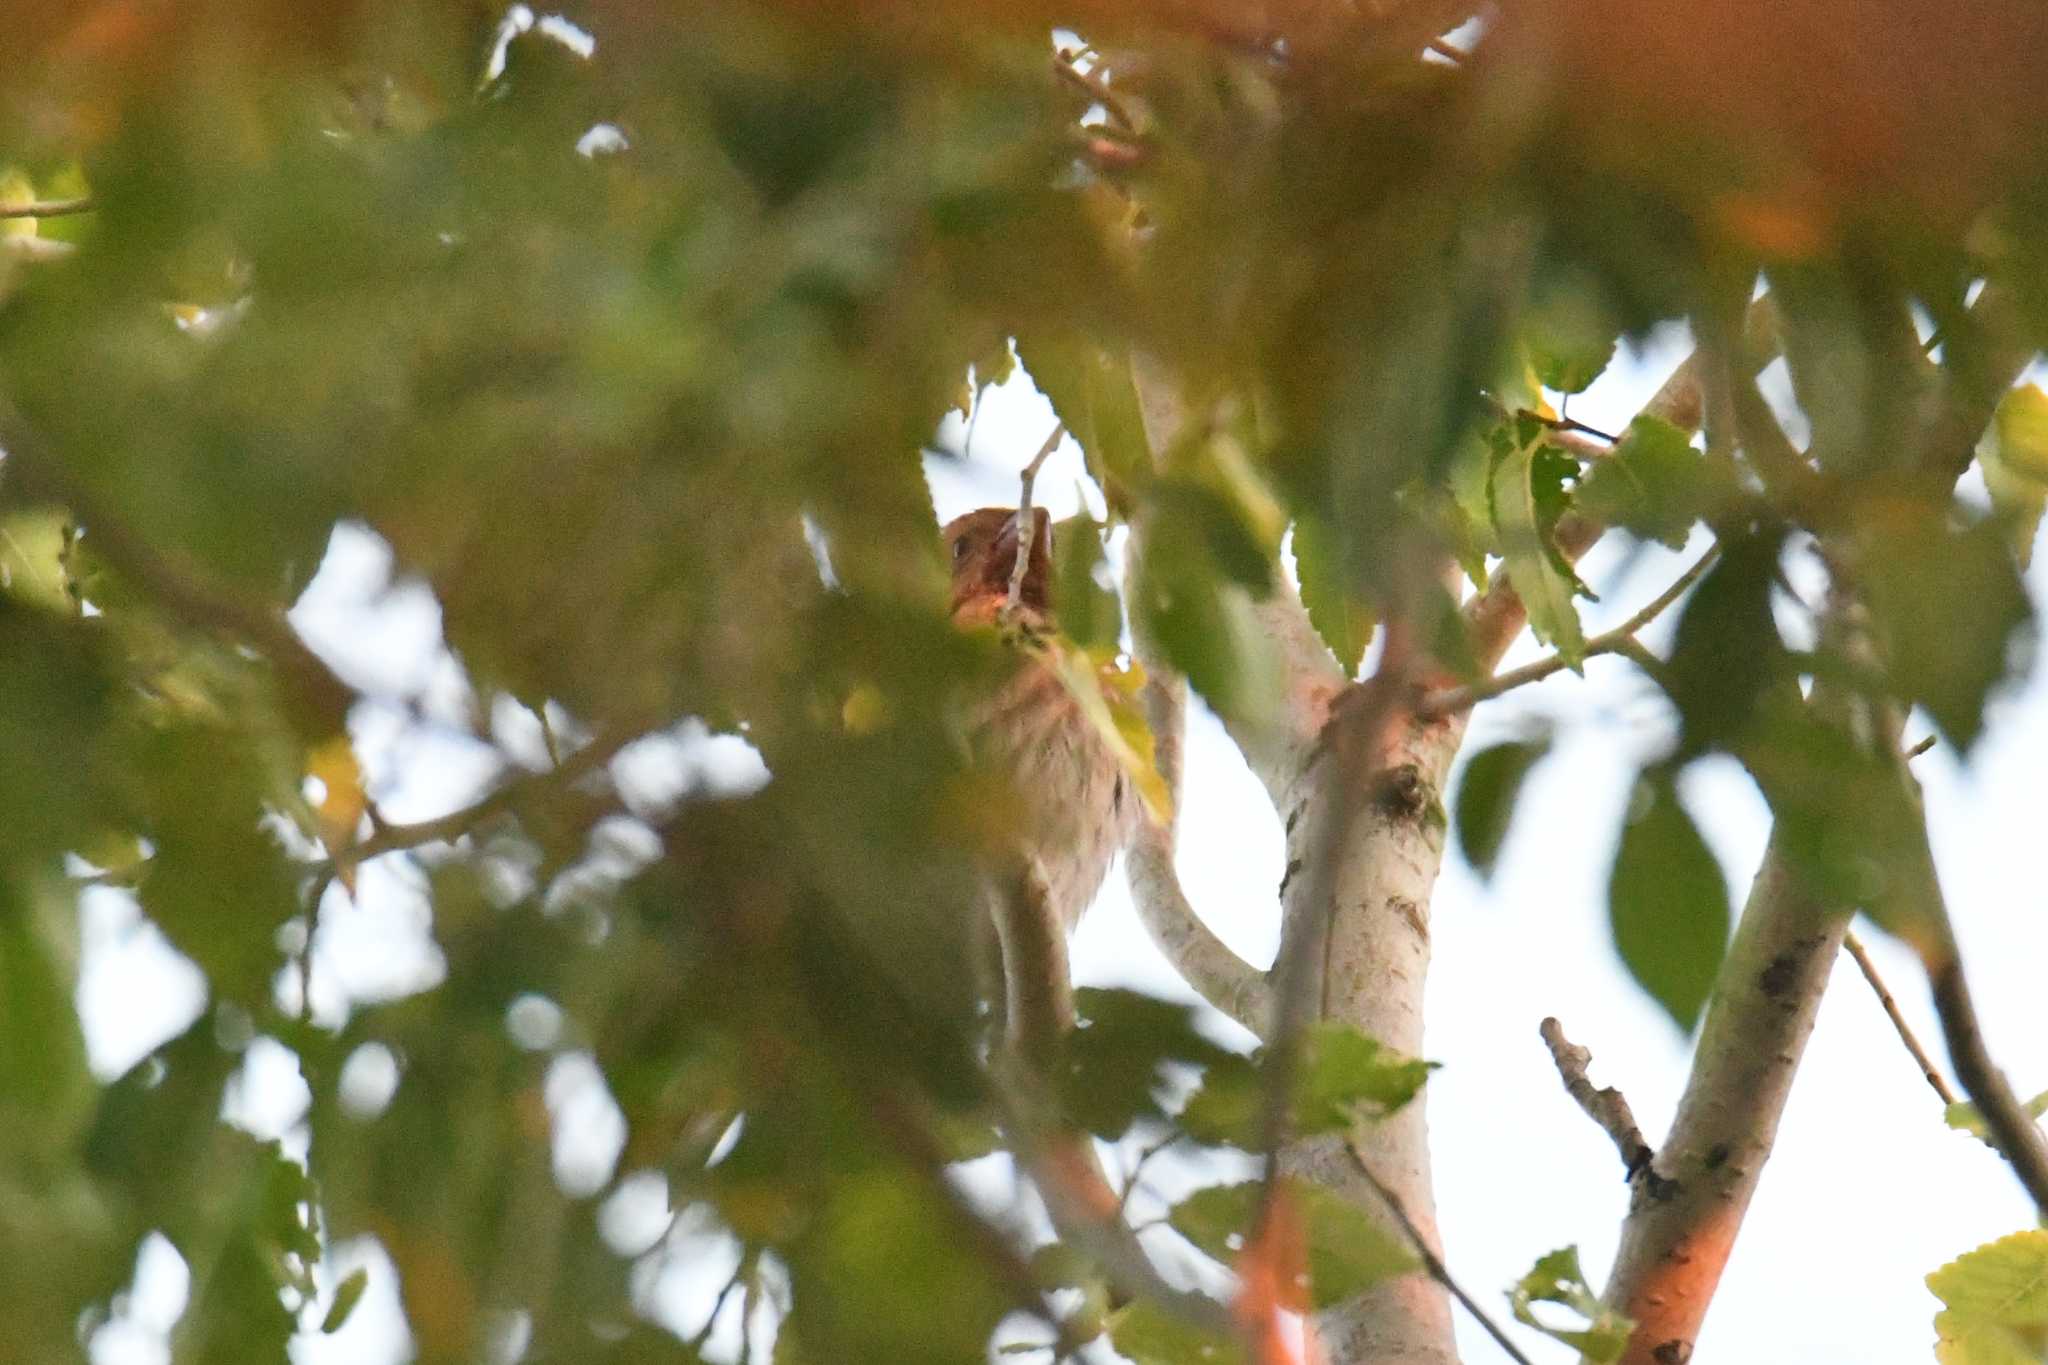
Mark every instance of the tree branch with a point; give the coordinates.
(49, 208)
(1620, 640)
(510, 796)
(1675, 1242)
(1891, 1009)
(1062, 1161)
(1203, 960)
(1607, 1107)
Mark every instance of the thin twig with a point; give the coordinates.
(1620, 640)
(1096, 89)
(1434, 1263)
(1027, 529)
(49, 208)
(1123, 1200)
(1455, 56)
(1922, 747)
(1891, 1009)
(718, 1306)
(1606, 1106)
(1563, 423)
(452, 826)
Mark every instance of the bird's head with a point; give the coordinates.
(982, 546)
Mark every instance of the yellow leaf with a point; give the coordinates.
(1108, 695)
(342, 800)
(17, 190)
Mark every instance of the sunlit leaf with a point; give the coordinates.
(1556, 1278)
(1996, 1301)
(1527, 495)
(2014, 457)
(1652, 484)
(1966, 1117)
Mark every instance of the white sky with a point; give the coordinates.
(1866, 1193)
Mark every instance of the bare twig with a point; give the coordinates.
(1096, 89)
(1144, 1158)
(1606, 1106)
(1434, 1263)
(1922, 747)
(49, 208)
(1620, 640)
(1891, 1009)
(452, 826)
(1562, 423)
(718, 1304)
(1027, 528)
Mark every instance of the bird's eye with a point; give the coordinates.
(960, 549)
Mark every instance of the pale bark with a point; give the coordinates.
(1682, 1223)
(1375, 964)
(1673, 1249)
(1204, 961)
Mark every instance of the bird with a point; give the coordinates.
(1071, 805)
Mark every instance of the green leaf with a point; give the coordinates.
(1568, 330)
(1527, 495)
(1088, 611)
(1996, 1301)
(1965, 1117)
(1486, 798)
(1653, 484)
(929, 1298)
(1221, 524)
(1948, 607)
(1726, 654)
(1344, 622)
(1092, 393)
(1343, 1078)
(1667, 902)
(2014, 457)
(46, 1093)
(1147, 1334)
(347, 1295)
(1557, 1279)
(1183, 602)
(1348, 1252)
(1110, 1071)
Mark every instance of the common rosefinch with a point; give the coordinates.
(1072, 806)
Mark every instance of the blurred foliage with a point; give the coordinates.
(595, 337)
